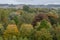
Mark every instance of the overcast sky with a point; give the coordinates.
(30, 2)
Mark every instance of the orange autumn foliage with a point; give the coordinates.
(11, 30)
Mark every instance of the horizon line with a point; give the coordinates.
(31, 4)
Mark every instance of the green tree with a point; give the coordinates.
(4, 17)
(43, 34)
(57, 33)
(44, 24)
(26, 8)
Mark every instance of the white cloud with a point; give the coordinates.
(29, 1)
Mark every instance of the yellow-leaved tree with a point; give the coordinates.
(11, 31)
(26, 30)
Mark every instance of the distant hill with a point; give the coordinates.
(11, 6)
(31, 6)
(45, 6)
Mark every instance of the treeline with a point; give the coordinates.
(30, 24)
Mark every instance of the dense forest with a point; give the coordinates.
(30, 23)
